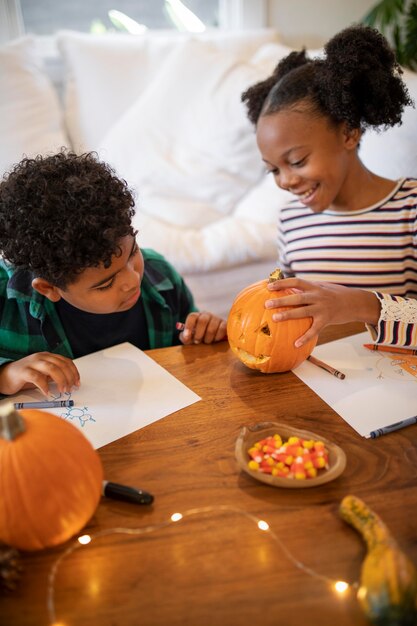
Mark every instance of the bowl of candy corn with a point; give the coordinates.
(283, 456)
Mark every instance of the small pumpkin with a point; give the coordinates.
(258, 341)
(388, 580)
(50, 479)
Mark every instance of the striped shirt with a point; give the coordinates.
(374, 248)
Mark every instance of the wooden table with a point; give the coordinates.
(216, 567)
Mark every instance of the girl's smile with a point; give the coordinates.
(306, 197)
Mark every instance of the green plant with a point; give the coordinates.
(397, 20)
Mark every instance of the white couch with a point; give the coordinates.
(164, 109)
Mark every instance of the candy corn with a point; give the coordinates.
(296, 458)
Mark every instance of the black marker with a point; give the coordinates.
(126, 494)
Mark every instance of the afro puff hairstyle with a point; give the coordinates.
(61, 214)
(358, 82)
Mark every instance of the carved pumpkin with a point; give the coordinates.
(50, 476)
(258, 341)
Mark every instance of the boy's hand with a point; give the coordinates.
(38, 370)
(203, 327)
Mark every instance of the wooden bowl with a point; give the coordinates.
(251, 434)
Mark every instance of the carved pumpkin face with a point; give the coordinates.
(258, 341)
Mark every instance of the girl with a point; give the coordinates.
(348, 230)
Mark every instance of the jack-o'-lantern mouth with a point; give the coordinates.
(251, 359)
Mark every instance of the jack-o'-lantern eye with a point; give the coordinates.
(265, 329)
(250, 324)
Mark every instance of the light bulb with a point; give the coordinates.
(84, 539)
(341, 586)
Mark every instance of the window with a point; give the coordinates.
(44, 17)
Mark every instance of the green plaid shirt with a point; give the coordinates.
(30, 323)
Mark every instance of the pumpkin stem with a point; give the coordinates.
(11, 422)
(275, 275)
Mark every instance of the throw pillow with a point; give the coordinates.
(107, 73)
(30, 113)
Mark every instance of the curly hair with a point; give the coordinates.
(358, 82)
(63, 213)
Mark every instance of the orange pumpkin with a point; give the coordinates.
(50, 479)
(258, 341)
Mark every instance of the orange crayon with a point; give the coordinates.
(324, 366)
(393, 349)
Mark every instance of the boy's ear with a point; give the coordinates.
(46, 289)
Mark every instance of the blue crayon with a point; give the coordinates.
(385, 430)
(54, 404)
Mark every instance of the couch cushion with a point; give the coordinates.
(188, 149)
(106, 73)
(30, 113)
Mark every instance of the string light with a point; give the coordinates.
(84, 539)
(262, 525)
(341, 586)
(338, 585)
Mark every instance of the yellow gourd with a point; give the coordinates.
(388, 581)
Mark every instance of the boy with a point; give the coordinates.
(73, 279)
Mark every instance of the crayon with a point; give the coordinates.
(328, 368)
(53, 404)
(393, 349)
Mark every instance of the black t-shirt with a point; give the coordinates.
(90, 332)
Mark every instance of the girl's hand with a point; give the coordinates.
(203, 327)
(325, 303)
(38, 370)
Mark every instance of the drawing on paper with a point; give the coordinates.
(401, 368)
(76, 413)
(73, 413)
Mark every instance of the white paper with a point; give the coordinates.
(380, 388)
(122, 389)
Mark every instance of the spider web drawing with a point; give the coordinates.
(73, 413)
